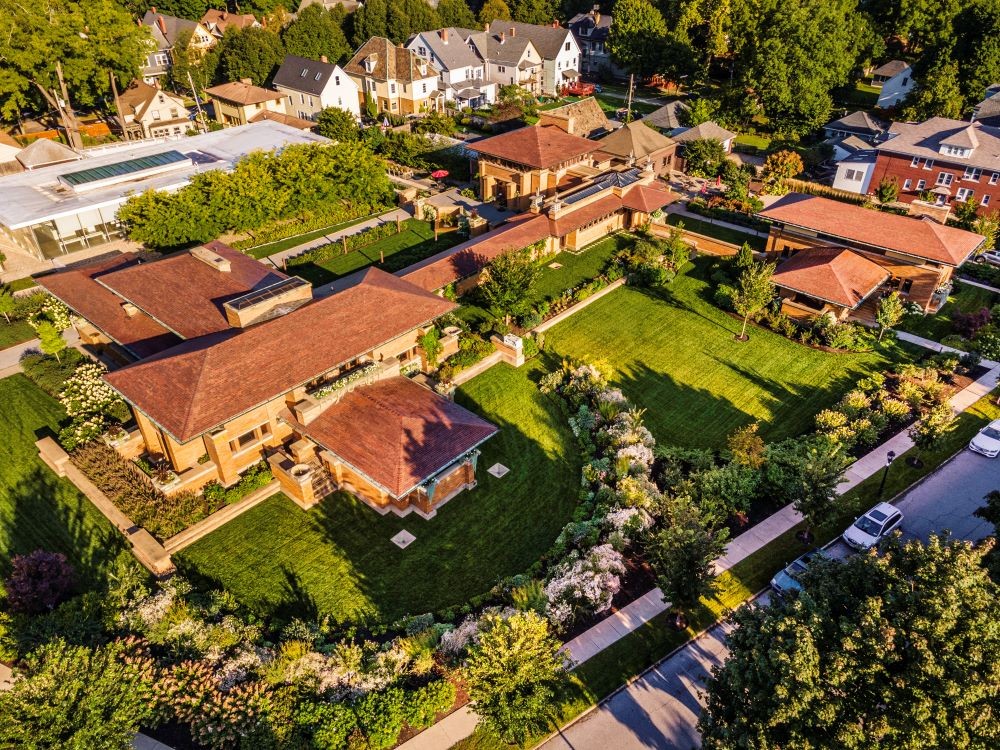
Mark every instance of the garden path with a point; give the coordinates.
(979, 284)
(676, 209)
(10, 358)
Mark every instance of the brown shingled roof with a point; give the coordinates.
(208, 381)
(295, 122)
(185, 294)
(834, 274)
(920, 238)
(243, 93)
(397, 433)
(391, 63)
(138, 333)
(648, 198)
(537, 147)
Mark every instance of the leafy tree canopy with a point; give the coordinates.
(638, 32)
(507, 280)
(190, 9)
(937, 93)
(249, 53)
(494, 10)
(456, 13)
(898, 650)
(396, 20)
(338, 125)
(316, 32)
(541, 12)
(704, 157)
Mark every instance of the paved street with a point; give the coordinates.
(661, 709)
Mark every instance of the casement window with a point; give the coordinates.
(929, 164)
(964, 194)
(161, 59)
(921, 184)
(985, 201)
(995, 178)
(392, 88)
(972, 174)
(855, 175)
(907, 184)
(944, 179)
(566, 47)
(914, 163)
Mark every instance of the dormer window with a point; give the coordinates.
(959, 151)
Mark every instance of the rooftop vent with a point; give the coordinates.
(130, 309)
(211, 258)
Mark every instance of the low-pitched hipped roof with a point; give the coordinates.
(535, 146)
(891, 68)
(398, 433)
(919, 238)
(635, 139)
(185, 294)
(43, 152)
(667, 117)
(705, 131)
(243, 94)
(205, 382)
(857, 122)
(832, 274)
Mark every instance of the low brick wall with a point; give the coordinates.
(578, 306)
(206, 526)
(146, 549)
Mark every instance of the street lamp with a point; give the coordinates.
(889, 458)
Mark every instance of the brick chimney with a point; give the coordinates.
(323, 59)
(596, 13)
(444, 36)
(162, 24)
(153, 9)
(503, 37)
(555, 23)
(513, 32)
(246, 81)
(225, 15)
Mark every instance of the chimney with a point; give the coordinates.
(246, 81)
(323, 59)
(503, 37)
(513, 32)
(225, 15)
(596, 13)
(130, 309)
(153, 9)
(555, 23)
(162, 24)
(444, 36)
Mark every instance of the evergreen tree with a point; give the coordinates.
(8, 302)
(370, 20)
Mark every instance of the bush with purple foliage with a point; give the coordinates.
(39, 581)
(967, 324)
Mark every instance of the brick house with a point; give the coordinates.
(237, 363)
(939, 161)
(637, 143)
(917, 256)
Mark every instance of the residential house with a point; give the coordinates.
(669, 117)
(855, 167)
(557, 47)
(706, 131)
(860, 124)
(917, 256)
(9, 149)
(532, 161)
(461, 72)
(591, 31)
(217, 21)
(940, 160)
(584, 118)
(637, 144)
(613, 200)
(395, 78)
(151, 112)
(310, 86)
(987, 112)
(509, 60)
(239, 102)
(894, 80)
(166, 31)
(228, 374)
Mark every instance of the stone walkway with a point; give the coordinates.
(676, 209)
(971, 282)
(10, 358)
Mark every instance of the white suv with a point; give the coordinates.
(873, 526)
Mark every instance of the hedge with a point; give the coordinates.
(282, 230)
(353, 242)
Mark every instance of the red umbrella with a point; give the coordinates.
(440, 174)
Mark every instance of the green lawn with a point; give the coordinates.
(37, 509)
(15, 333)
(707, 228)
(410, 246)
(675, 355)
(19, 284)
(337, 558)
(964, 298)
(264, 251)
(759, 142)
(577, 268)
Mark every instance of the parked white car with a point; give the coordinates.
(873, 526)
(987, 441)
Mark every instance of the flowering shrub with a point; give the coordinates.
(38, 581)
(85, 392)
(53, 311)
(584, 584)
(358, 373)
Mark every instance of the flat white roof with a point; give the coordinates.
(37, 195)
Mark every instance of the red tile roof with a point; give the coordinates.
(139, 334)
(834, 274)
(921, 238)
(584, 215)
(536, 147)
(205, 382)
(397, 433)
(648, 198)
(185, 294)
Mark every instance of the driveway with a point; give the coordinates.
(660, 710)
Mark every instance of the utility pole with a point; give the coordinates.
(203, 126)
(628, 101)
(118, 105)
(66, 112)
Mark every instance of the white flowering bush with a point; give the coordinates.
(85, 392)
(455, 641)
(584, 584)
(53, 311)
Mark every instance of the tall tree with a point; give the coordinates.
(926, 24)
(316, 32)
(249, 53)
(506, 282)
(889, 312)
(778, 167)
(8, 302)
(637, 37)
(88, 39)
(191, 61)
(754, 293)
(937, 93)
(898, 650)
(817, 469)
(704, 157)
(456, 13)
(338, 125)
(512, 672)
(50, 339)
(494, 10)
(370, 20)
(541, 12)
(193, 10)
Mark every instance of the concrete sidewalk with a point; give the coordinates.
(10, 358)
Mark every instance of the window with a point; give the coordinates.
(995, 178)
(424, 88)
(317, 76)
(915, 162)
(945, 179)
(290, 100)
(336, 80)
(304, 73)
(985, 201)
(392, 88)
(929, 164)
(173, 113)
(302, 98)
(955, 151)
(964, 194)
(566, 47)
(243, 440)
(855, 175)
(907, 184)
(422, 51)
(972, 174)
(156, 114)
(921, 184)
(310, 101)
(501, 69)
(161, 59)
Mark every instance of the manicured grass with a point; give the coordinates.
(577, 268)
(964, 298)
(707, 228)
(337, 558)
(38, 510)
(413, 244)
(264, 251)
(15, 333)
(759, 142)
(601, 675)
(20, 284)
(674, 354)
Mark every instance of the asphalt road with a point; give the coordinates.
(661, 709)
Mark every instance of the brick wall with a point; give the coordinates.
(888, 166)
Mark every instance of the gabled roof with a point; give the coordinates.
(548, 40)
(398, 433)
(584, 118)
(852, 144)
(43, 152)
(139, 95)
(964, 138)
(667, 117)
(507, 51)
(220, 20)
(451, 54)
(305, 75)
(891, 68)
(167, 27)
(635, 139)
(205, 382)
(989, 107)
(598, 25)
(832, 274)
(391, 63)
(705, 131)
(919, 238)
(242, 93)
(78, 289)
(538, 147)
(925, 139)
(857, 122)
(186, 295)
